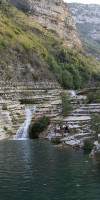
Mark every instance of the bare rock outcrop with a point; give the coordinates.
(87, 15)
(53, 15)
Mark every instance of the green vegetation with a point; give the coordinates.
(90, 46)
(88, 30)
(32, 43)
(97, 155)
(27, 101)
(88, 144)
(38, 126)
(4, 106)
(46, 91)
(5, 128)
(93, 97)
(95, 125)
(66, 106)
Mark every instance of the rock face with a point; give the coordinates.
(21, 4)
(83, 14)
(54, 15)
(87, 19)
(96, 150)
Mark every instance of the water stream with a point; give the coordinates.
(23, 131)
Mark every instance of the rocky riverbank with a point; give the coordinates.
(79, 125)
(12, 112)
(49, 103)
(96, 149)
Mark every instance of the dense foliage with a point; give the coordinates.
(88, 26)
(27, 101)
(95, 125)
(88, 144)
(93, 97)
(66, 105)
(91, 46)
(22, 38)
(38, 126)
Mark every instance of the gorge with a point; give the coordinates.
(41, 60)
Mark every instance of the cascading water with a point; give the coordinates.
(73, 93)
(23, 131)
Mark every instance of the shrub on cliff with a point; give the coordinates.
(93, 97)
(27, 101)
(38, 126)
(28, 42)
(66, 106)
(95, 125)
(66, 80)
(4, 106)
(88, 144)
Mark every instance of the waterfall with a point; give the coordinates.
(23, 131)
(72, 93)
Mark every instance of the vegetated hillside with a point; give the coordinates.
(29, 53)
(53, 15)
(87, 19)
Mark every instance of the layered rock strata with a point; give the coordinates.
(53, 15)
(87, 16)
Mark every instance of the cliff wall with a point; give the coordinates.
(53, 15)
(87, 20)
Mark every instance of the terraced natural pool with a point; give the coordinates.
(38, 170)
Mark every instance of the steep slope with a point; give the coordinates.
(33, 57)
(87, 19)
(53, 15)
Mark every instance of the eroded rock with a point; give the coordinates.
(53, 15)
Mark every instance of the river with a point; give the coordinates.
(39, 170)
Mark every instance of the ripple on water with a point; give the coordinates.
(34, 170)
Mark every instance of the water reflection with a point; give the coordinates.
(34, 170)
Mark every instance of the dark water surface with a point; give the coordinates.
(38, 170)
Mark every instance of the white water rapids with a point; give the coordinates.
(23, 131)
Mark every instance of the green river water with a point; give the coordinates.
(38, 170)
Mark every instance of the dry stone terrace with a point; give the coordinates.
(78, 122)
(47, 103)
(15, 113)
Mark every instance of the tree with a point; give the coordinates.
(95, 125)
(38, 126)
(67, 80)
(66, 106)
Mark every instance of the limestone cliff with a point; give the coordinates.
(33, 57)
(87, 14)
(54, 15)
(87, 19)
(33, 60)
